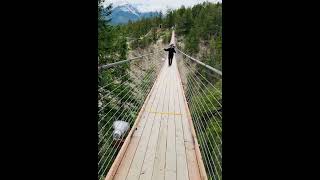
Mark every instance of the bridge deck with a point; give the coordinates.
(162, 146)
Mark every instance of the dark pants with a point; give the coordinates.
(170, 60)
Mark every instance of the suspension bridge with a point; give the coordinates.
(172, 132)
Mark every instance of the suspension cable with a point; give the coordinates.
(119, 86)
(205, 154)
(116, 148)
(145, 89)
(118, 110)
(121, 83)
(113, 115)
(203, 126)
(203, 77)
(203, 64)
(206, 94)
(208, 123)
(123, 61)
(106, 150)
(121, 106)
(116, 95)
(127, 74)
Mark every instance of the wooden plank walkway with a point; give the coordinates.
(163, 145)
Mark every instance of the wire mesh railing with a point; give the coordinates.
(123, 87)
(203, 89)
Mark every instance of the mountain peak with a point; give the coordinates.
(119, 3)
(123, 11)
(127, 8)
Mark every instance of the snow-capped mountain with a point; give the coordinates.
(122, 12)
(128, 8)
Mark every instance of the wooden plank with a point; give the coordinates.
(122, 171)
(126, 162)
(195, 145)
(147, 168)
(136, 164)
(112, 171)
(171, 166)
(182, 167)
(159, 165)
(192, 165)
(160, 159)
(189, 146)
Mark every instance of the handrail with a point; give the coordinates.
(201, 63)
(121, 62)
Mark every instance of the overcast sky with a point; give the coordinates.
(157, 5)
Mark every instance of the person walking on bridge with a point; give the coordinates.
(170, 54)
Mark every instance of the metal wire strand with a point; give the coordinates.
(136, 107)
(110, 119)
(189, 68)
(192, 77)
(111, 157)
(196, 117)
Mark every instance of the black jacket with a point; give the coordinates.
(171, 51)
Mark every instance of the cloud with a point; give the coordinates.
(158, 5)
